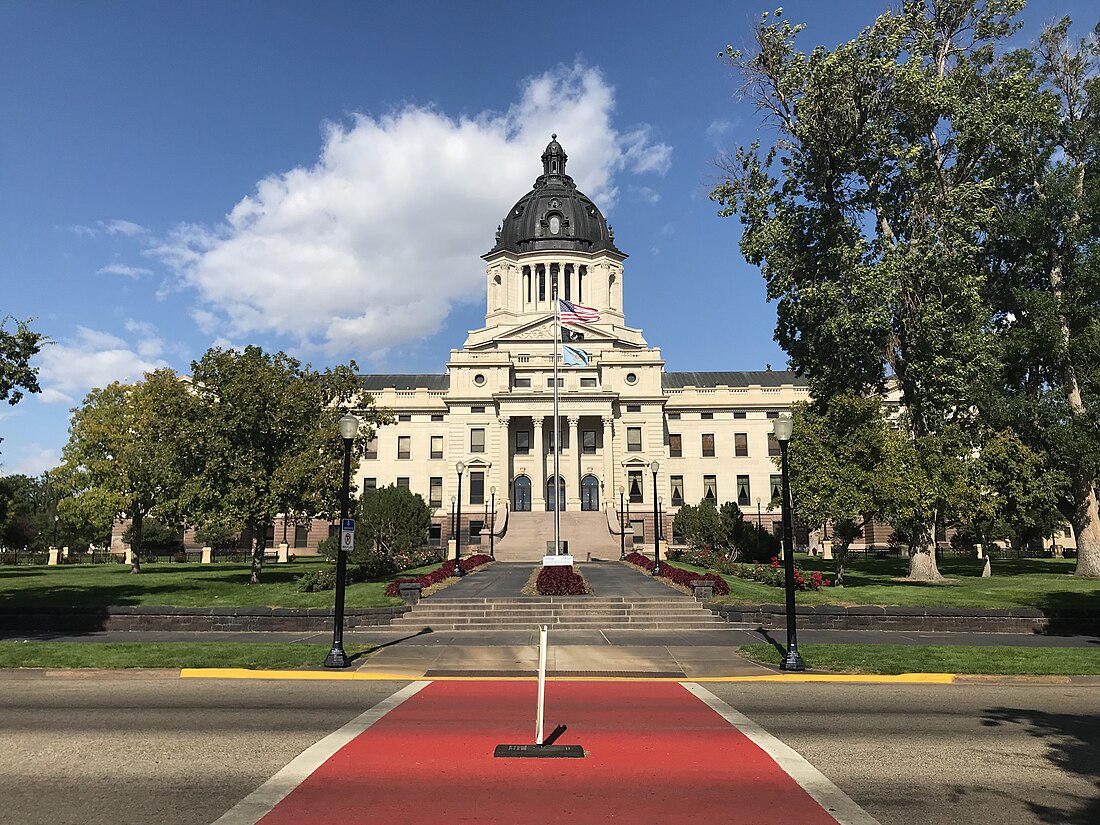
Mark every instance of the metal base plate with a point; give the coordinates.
(540, 751)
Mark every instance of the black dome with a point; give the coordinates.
(554, 214)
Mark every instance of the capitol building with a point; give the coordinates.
(488, 422)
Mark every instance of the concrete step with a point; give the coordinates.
(488, 628)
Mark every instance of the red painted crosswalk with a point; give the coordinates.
(654, 753)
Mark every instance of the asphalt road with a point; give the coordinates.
(143, 748)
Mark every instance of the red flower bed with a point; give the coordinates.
(679, 576)
(560, 580)
(445, 571)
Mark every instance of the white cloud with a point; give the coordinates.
(370, 247)
(33, 460)
(647, 194)
(93, 358)
(119, 227)
(123, 269)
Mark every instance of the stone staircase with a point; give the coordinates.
(587, 532)
(561, 613)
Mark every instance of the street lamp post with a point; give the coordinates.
(792, 660)
(492, 520)
(349, 426)
(453, 500)
(654, 466)
(622, 525)
(758, 512)
(460, 468)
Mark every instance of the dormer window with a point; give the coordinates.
(555, 224)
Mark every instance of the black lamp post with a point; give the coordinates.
(492, 520)
(349, 426)
(460, 468)
(453, 500)
(622, 524)
(792, 660)
(758, 512)
(654, 466)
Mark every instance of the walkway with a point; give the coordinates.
(505, 580)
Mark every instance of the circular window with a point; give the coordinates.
(479, 379)
(631, 378)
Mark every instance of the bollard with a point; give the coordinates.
(703, 589)
(410, 592)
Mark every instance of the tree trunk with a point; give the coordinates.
(1086, 528)
(135, 542)
(841, 551)
(922, 559)
(259, 533)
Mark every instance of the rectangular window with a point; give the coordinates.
(475, 531)
(542, 285)
(588, 442)
(435, 534)
(369, 485)
(435, 491)
(638, 526)
(634, 486)
(744, 496)
(404, 418)
(676, 485)
(588, 382)
(301, 535)
(550, 441)
(477, 488)
(675, 445)
(522, 383)
(634, 439)
(776, 484)
(673, 416)
(404, 446)
(773, 444)
(708, 445)
(739, 414)
(523, 442)
(437, 416)
(710, 489)
(773, 413)
(478, 409)
(707, 416)
(403, 481)
(437, 446)
(371, 450)
(741, 444)
(477, 440)
(550, 383)
(633, 407)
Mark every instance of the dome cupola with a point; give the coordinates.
(554, 214)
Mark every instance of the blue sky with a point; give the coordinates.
(321, 177)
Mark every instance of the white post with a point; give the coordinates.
(542, 684)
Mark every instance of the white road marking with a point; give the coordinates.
(839, 805)
(261, 801)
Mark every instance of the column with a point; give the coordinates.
(504, 462)
(537, 471)
(572, 474)
(611, 479)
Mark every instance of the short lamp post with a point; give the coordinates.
(453, 500)
(792, 660)
(654, 466)
(492, 520)
(622, 524)
(349, 426)
(758, 512)
(460, 468)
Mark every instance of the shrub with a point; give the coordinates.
(560, 580)
(679, 576)
(317, 580)
(774, 575)
(445, 571)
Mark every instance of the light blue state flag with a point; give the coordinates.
(574, 357)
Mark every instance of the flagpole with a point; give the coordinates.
(557, 426)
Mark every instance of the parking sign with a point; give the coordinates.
(347, 534)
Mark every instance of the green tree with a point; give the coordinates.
(1043, 260)
(848, 466)
(703, 527)
(269, 439)
(128, 450)
(17, 347)
(867, 213)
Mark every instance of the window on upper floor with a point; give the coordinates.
(588, 442)
(676, 489)
(707, 416)
(773, 445)
(404, 417)
(740, 444)
(435, 491)
(744, 494)
(710, 489)
(404, 446)
(708, 445)
(523, 442)
(477, 440)
(634, 439)
(675, 445)
(371, 450)
(437, 446)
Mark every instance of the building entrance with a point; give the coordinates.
(590, 493)
(550, 498)
(521, 494)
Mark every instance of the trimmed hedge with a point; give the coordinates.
(445, 571)
(678, 576)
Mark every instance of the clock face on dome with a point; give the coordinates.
(555, 224)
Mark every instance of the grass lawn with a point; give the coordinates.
(177, 585)
(893, 659)
(266, 656)
(1042, 583)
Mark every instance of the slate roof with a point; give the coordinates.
(405, 382)
(763, 378)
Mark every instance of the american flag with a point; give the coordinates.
(573, 313)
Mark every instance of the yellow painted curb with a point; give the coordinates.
(341, 675)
